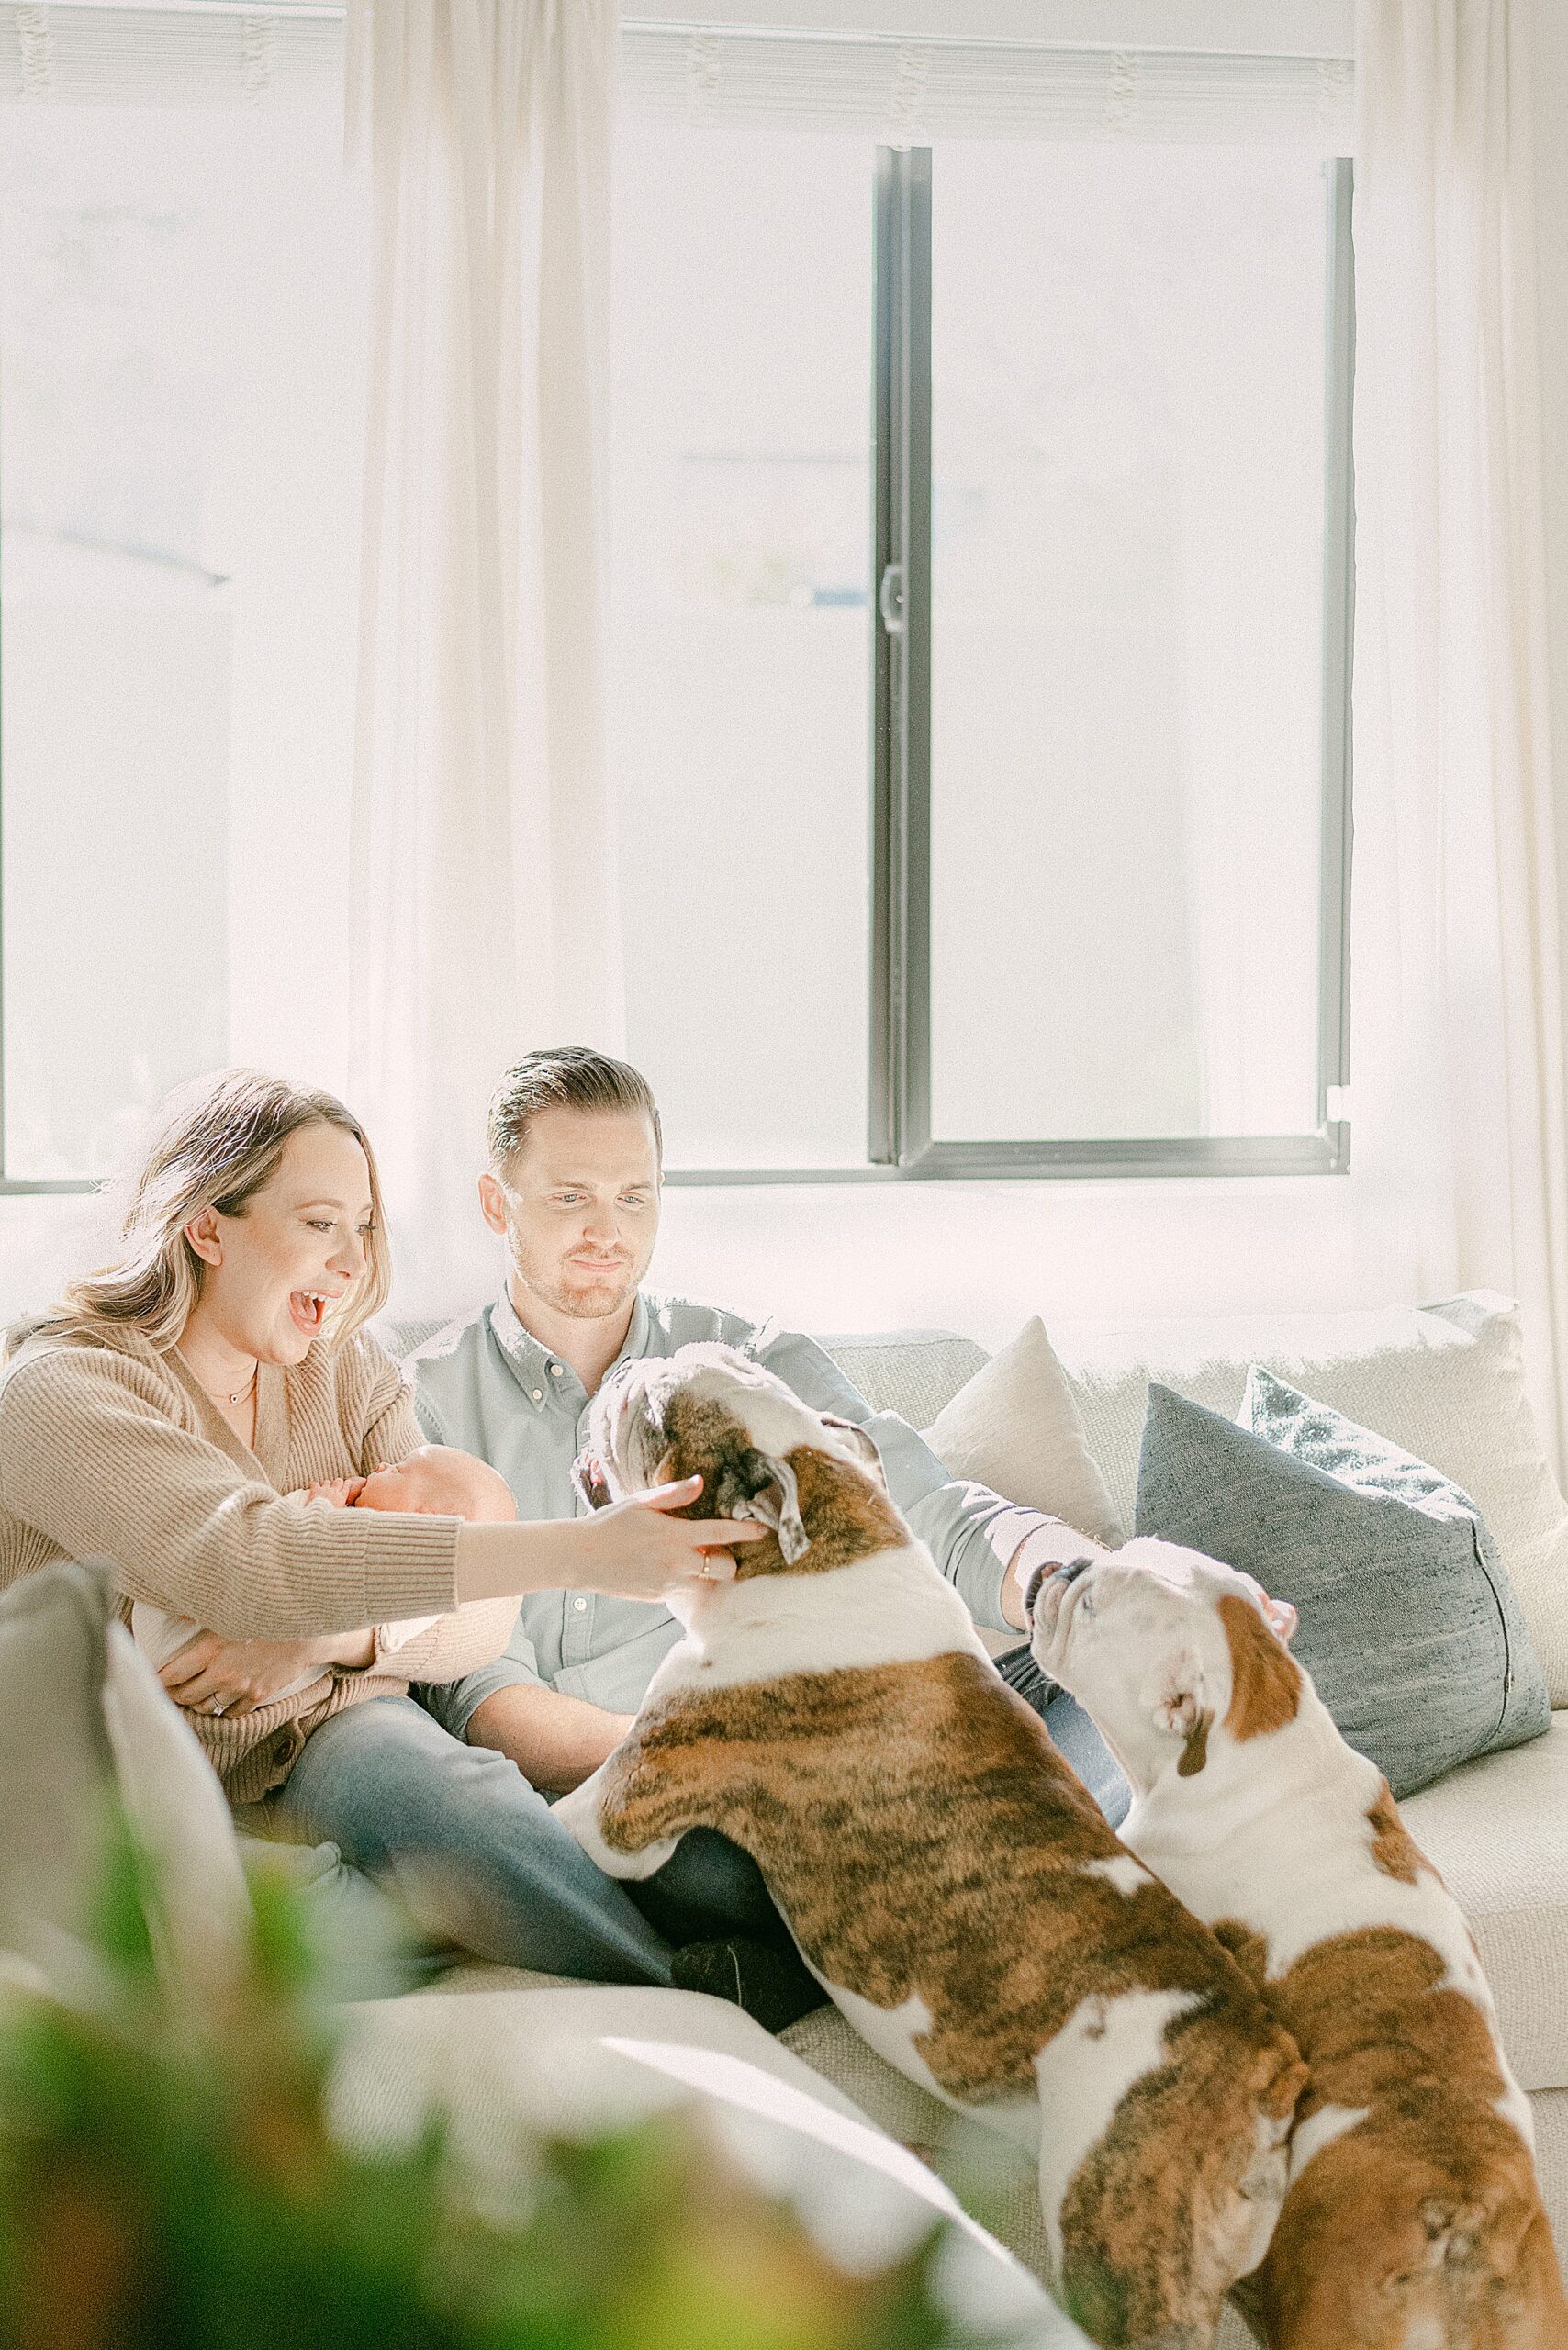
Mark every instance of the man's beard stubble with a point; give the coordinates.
(594, 1302)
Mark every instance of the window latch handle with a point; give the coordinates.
(889, 598)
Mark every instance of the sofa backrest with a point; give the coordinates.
(913, 1372)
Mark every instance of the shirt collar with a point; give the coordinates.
(531, 1362)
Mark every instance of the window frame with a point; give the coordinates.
(900, 1143)
(900, 1146)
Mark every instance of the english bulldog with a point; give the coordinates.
(1413, 2219)
(945, 1876)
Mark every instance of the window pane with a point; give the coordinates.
(1127, 353)
(741, 500)
(179, 453)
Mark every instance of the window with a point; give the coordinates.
(740, 475)
(1031, 700)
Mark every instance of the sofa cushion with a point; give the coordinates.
(1015, 1427)
(1498, 1832)
(1401, 1627)
(1445, 1383)
(84, 1720)
(493, 2068)
(1325, 1440)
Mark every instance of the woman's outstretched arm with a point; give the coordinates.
(634, 1550)
(95, 1457)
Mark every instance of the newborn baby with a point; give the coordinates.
(435, 1481)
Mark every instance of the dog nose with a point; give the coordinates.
(1070, 1569)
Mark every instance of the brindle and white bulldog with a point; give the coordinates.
(943, 1874)
(1412, 2220)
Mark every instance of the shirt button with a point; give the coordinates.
(555, 1371)
(580, 1605)
(539, 1395)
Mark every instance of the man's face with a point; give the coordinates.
(579, 1207)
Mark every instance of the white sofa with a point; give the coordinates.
(1445, 1383)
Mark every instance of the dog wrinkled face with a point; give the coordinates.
(711, 1411)
(1143, 1638)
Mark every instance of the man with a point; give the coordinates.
(572, 1188)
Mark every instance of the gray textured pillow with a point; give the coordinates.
(1408, 1625)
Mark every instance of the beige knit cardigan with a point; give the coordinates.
(109, 1448)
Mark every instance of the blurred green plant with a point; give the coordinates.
(171, 2181)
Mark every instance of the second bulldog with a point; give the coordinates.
(944, 1873)
(1414, 2218)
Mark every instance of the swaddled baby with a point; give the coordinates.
(435, 1481)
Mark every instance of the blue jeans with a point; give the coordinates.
(466, 1847)
(1070, 1731)
(472, 1854)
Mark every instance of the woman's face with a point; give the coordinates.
(273, 1273)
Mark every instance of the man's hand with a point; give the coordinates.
(1047, 1543)
(556, 1741)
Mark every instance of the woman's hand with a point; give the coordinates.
(209, 1675)
(634, 1550)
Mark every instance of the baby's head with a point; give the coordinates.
(439, 1481)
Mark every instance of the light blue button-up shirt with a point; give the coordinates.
(489, 1388)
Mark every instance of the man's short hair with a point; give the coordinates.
(564, 1076)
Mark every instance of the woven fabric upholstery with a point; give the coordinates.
(912, 1372)
(1497, 1830)
(1549, 2107)
(400, 1338)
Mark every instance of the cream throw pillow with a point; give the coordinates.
(1016, 1427)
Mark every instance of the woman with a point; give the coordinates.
(161, 1415)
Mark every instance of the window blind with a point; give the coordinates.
(111, 53)
(907, 92)
(873, 85)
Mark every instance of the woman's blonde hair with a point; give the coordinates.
(219, 1142)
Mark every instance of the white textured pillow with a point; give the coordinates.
(1015, 1428)
(1444, 1382)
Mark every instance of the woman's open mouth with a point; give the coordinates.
(308, 1308)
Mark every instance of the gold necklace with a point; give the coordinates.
(240, 1393)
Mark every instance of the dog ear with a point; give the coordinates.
(753, 1485)
(1195, 1753)
(1278, 1613)
(1281, 1618)
(1176, 1703)
(862, 1445)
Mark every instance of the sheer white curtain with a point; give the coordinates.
(484, 857)
(1457, 1050)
